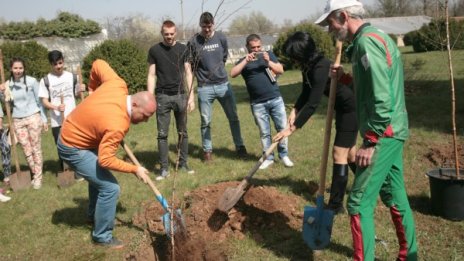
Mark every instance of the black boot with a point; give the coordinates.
(352, 166)
(338, 187)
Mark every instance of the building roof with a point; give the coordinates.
(399, 25)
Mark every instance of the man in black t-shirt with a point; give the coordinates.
(167, 66)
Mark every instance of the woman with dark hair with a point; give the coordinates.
(300, 47)
(28, 116)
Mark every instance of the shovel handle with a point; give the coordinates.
(260, 161)
(328, 121)
(8, 115)
(62, 102)
(79, 74)
(158, 195)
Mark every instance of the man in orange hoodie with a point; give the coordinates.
(89, 140)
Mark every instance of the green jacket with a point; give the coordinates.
(379, 83)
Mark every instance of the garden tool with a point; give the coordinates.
(232, 195)
(19, 179)
(317, 221)
(79, 73)
(170, 227)
(66, 177)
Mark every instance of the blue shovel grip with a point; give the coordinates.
(163, 202)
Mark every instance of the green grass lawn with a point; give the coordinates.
(49, 224)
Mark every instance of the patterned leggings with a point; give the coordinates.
(6, 155)
(28, 132)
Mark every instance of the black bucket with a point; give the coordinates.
(446, 194)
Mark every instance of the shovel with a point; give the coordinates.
(169, 227)
(20, 179)
(79, 73)
(317, 222)
(66, 177)
(232, 195)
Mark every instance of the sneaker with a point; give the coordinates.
(114, 243)
(207, 156)
(4, 198)
(266, 164)
(242, 151)
(185, 168)
(164, 174)
(287, 162)
(78, 177)
(90, 221)
(36, 184)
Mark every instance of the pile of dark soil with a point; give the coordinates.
(207, 230)
(443, 155)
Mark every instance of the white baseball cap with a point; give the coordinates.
(333, 5)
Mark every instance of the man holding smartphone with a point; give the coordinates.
(258, 69)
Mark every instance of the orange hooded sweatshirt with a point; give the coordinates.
(101, 121)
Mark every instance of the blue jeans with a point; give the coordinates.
(263, 112)
(177, 104)
(103, 189)
(224, 94)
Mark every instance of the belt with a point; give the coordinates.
(168, 92)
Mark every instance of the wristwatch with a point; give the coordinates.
(368, 143)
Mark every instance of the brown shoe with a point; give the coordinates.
(208, 156)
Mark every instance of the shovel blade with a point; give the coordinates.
(66, 178)
(228, 200)
(317, 225)
(177, 225)
(20, 180)
(231, 196)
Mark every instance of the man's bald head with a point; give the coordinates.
(143, 106)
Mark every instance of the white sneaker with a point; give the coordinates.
(164, 174)
(4, 198)
(36, 184)
(266, 164)
(287, 162)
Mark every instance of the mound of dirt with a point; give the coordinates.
(443, 155)
(207, 229)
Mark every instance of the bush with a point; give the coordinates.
(66, 25)
(393, 37)
(432, 37)
(323, 42)
(34, 55)
(129, 62)
(409, 37)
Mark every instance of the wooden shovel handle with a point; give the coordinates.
(260, 161)
(8, 115)
(79, 73)
(328, 121)
(62, 112)
(136, 162)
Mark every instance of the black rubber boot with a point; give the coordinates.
(338, 187)
(352, 166)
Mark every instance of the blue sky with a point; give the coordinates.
(98, 10)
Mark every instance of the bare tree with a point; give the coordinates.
(255, 22)
(138, 28)
(390, 8)
(458, 8)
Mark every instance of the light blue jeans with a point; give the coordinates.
(263, 112)
(224, 94)
(103, 189)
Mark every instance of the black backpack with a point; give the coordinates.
(47, 84)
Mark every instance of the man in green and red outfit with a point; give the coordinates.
(383, 125)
